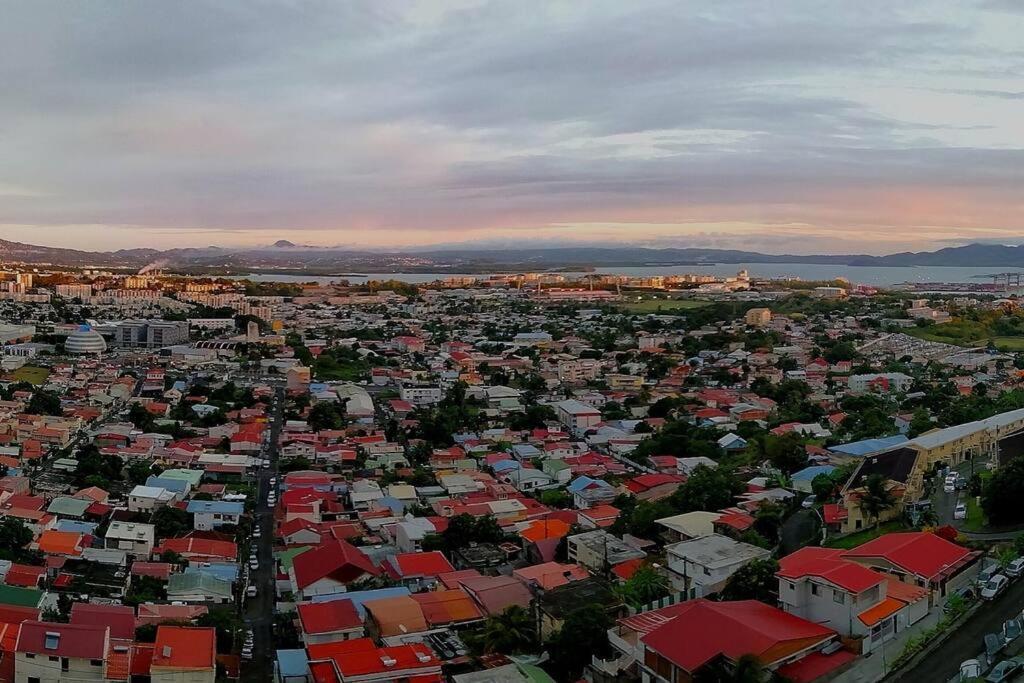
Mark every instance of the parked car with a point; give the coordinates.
(987, 572)
(969, 670)
(996, 585)
(1005, 670)
(809, 502)
(1015, 568)
(960, 511)
(251, 591)
(949, 486)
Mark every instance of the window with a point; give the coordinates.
(33, 679)
(707, 571)
(814, 589)
(96, 662)
(792, 586)
(839, 597)
(65, 663)
(30, 655)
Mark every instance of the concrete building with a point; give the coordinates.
(702, 566)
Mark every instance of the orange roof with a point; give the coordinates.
(542, 529)
(447, 607)
(397, 616)
(54, 542)
(884, 609)
(119, 659)
(184, 647)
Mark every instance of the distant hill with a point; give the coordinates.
(288, 256)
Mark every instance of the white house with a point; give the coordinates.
(703, 565)
(135, 538)
(210, 514)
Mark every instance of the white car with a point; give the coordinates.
(960, 511)
(1015, 568)
(970, 669)
(251, 591)
(996, 585)
(254, 565)
(950, 484)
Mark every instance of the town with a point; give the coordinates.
(507, 479)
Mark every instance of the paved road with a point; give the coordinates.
(968, 640)
(259, 611)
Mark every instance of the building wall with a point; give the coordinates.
(182, 676)
(49, 669)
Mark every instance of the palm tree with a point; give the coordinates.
(510, 632)
(876, 497)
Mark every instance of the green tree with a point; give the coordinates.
(1001, 495)
(644, 587)
(876, 497)
(707, 488)
(511, 632)
(14, 535)
(584, 633)
(171, 522)
(44, 402)
(753, 581)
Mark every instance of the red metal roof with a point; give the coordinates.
(69, 640)
(918, 552)
(328, 617)
(338, 559)
(185, 647)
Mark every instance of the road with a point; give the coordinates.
(968, 640)
(802, 528)
(259, 611)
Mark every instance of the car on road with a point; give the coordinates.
(256, 533)
(1005, 670)
(1015, 568)
(251, 591)
(960, 511)
(254, 564)
(809, 502)
(970, 669)
(949, 486)
(996, 585)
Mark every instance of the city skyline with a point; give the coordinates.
(801, 129)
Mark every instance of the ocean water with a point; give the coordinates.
(866, 275)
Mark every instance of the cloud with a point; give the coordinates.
(389, 123)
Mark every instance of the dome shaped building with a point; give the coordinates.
(85, 340)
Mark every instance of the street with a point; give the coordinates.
(259, 611)
(968, 640)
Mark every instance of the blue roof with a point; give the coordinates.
(583, 482)
(176, 485)
(359, 597)
(505, 465)
(392, 503)
(221, 570)
(525, 450)
(75, 526)
(869, 446)
(293, 664)
(809, 473)
(216, 506)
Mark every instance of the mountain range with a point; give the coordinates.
(284, 255)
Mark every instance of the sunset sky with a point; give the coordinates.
(790, 126)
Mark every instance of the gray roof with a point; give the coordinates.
(715, 551)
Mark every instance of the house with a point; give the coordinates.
(184, 653)
(389, 620)
(361, 661)
(48, 651)
(200, 587)
(920, 559)
(587, 492)
(409, 534)
(550, 575)
(120, 619)
(652, 487)
(678, 643)
(329, 621)
(135, 538)
(688, 525)
(801, 480)
(577, 416)
(210, 514)
(419, 570)
(148, 498)
(329, 568)
(901, 471)
(448, 608)
(821, 585)
(596, 549)
(702, 566)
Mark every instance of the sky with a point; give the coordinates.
(796, 126)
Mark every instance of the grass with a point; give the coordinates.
(662, 305)
(975, 517)
(1009, 343)
(32, 374)
(864, 535)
